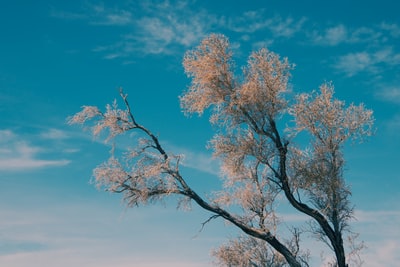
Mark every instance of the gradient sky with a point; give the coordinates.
(56, 56)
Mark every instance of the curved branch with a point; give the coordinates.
(266, 236)
(140, 127)
(187, 191)
(334, 238)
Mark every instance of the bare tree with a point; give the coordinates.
(260, 159)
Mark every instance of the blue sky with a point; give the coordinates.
(59, 55)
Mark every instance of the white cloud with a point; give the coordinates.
(336, 34)
(82, 234)
(17, 154)
(390, 94)
(286, 27)
(384, 253)
(393, 125)
(380, 231)
(364, 216)
(202, 162)
(354, 62)
(71, 150)
(110, 16)
(254, 21)
(97, 14)
(169, 26)
(332, 36)
(342, 34)
(372, 62)
(156, 29)
(393, 29)
(248, 22)
(6, 136)
(262, 44)
(122, 18)
(54, 134)
(22, 164)
(165, 27)
(365, 35)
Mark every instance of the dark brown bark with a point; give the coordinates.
(268, 237)
(335, 237)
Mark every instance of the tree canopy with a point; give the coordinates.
(257, 120)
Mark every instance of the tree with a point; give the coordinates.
(260, 160)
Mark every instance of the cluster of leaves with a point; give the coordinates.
(260, 162)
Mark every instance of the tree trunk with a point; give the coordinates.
(334, 236)
(339, 252)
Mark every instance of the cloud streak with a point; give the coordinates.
(331, 36)
(156, 29)
(17, 154)
(342, 34)
(169, 28)
(165, 28)
(369, 62)
(54, 134)
(379, 229)
(390, 94)
(80, 234)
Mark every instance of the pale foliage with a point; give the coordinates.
(261, 165)
(144, 173)
(328, 120)
(210, 70)
(248, 252)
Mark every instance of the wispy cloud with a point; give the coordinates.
(248, 22)
(368, 35)
(80, 234)
(55, 134)
(330, 36)
(96, 14)
(382, 253)
(165, 28)
(68, 15)
(355, 62)
(115, 17)
(258, 20)
(286, 27)
(393, 124)
(393, 29)
(370, 62)
(376, 56)
(17, 154)
(170, 28)
(391, 216)
(389, 94)
(380, 231)
(342, 34)
(202, 162)
(156, 29)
